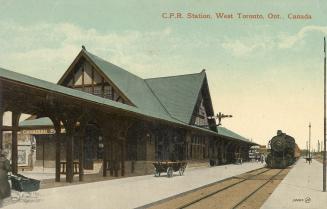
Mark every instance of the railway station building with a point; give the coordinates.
(100, 115)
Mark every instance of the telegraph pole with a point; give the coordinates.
(324, 161)
(309, 140)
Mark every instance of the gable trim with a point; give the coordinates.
(196, 101)
(82, 54)
(208, 107)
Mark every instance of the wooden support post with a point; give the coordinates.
(123, 144)
(188, 141)
(57, 127)
(69, 157)
(58, 148)
(51, 111)
(116, 168)
(111, 160)
(105, 155)
(14, 148)
(222, 151)
(1, 124)
(229, 153)
(81, 155)
(116, 165)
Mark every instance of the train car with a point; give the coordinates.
(254, 154)
(283, 151)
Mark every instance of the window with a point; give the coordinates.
(107, 92)
(88, 90)
(97, 91)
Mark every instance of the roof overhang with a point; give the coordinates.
(31, 89)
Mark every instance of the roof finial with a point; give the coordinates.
(83, 47)
(203, 70)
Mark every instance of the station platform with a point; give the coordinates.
(301, 188)
(130, 192)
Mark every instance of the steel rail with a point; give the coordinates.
(153, 204)
(260, 187)
(220, 190)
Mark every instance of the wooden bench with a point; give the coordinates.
(63, 167)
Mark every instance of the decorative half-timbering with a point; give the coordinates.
(85, 77)
(200, 116)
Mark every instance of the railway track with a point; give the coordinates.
(233, 192)
(256, 190)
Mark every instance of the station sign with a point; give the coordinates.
(41, 131)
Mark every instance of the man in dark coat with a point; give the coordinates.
(4, 184)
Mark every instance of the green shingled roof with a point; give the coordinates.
(178, 94)
(134, 87)
(228, 133)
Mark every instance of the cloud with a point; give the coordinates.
(45, 50)
(245, 46)
(262, 43)
(288, 41)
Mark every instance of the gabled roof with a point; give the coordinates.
(174, 96)
(178, 94)
(132, 87)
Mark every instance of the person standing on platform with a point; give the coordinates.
(4, 183)
(262, 158)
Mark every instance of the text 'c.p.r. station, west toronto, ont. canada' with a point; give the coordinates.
(235, 16)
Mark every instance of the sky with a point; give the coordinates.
(267, 73)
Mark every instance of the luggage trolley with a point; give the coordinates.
(169, 167)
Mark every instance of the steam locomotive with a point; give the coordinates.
(283, 151)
